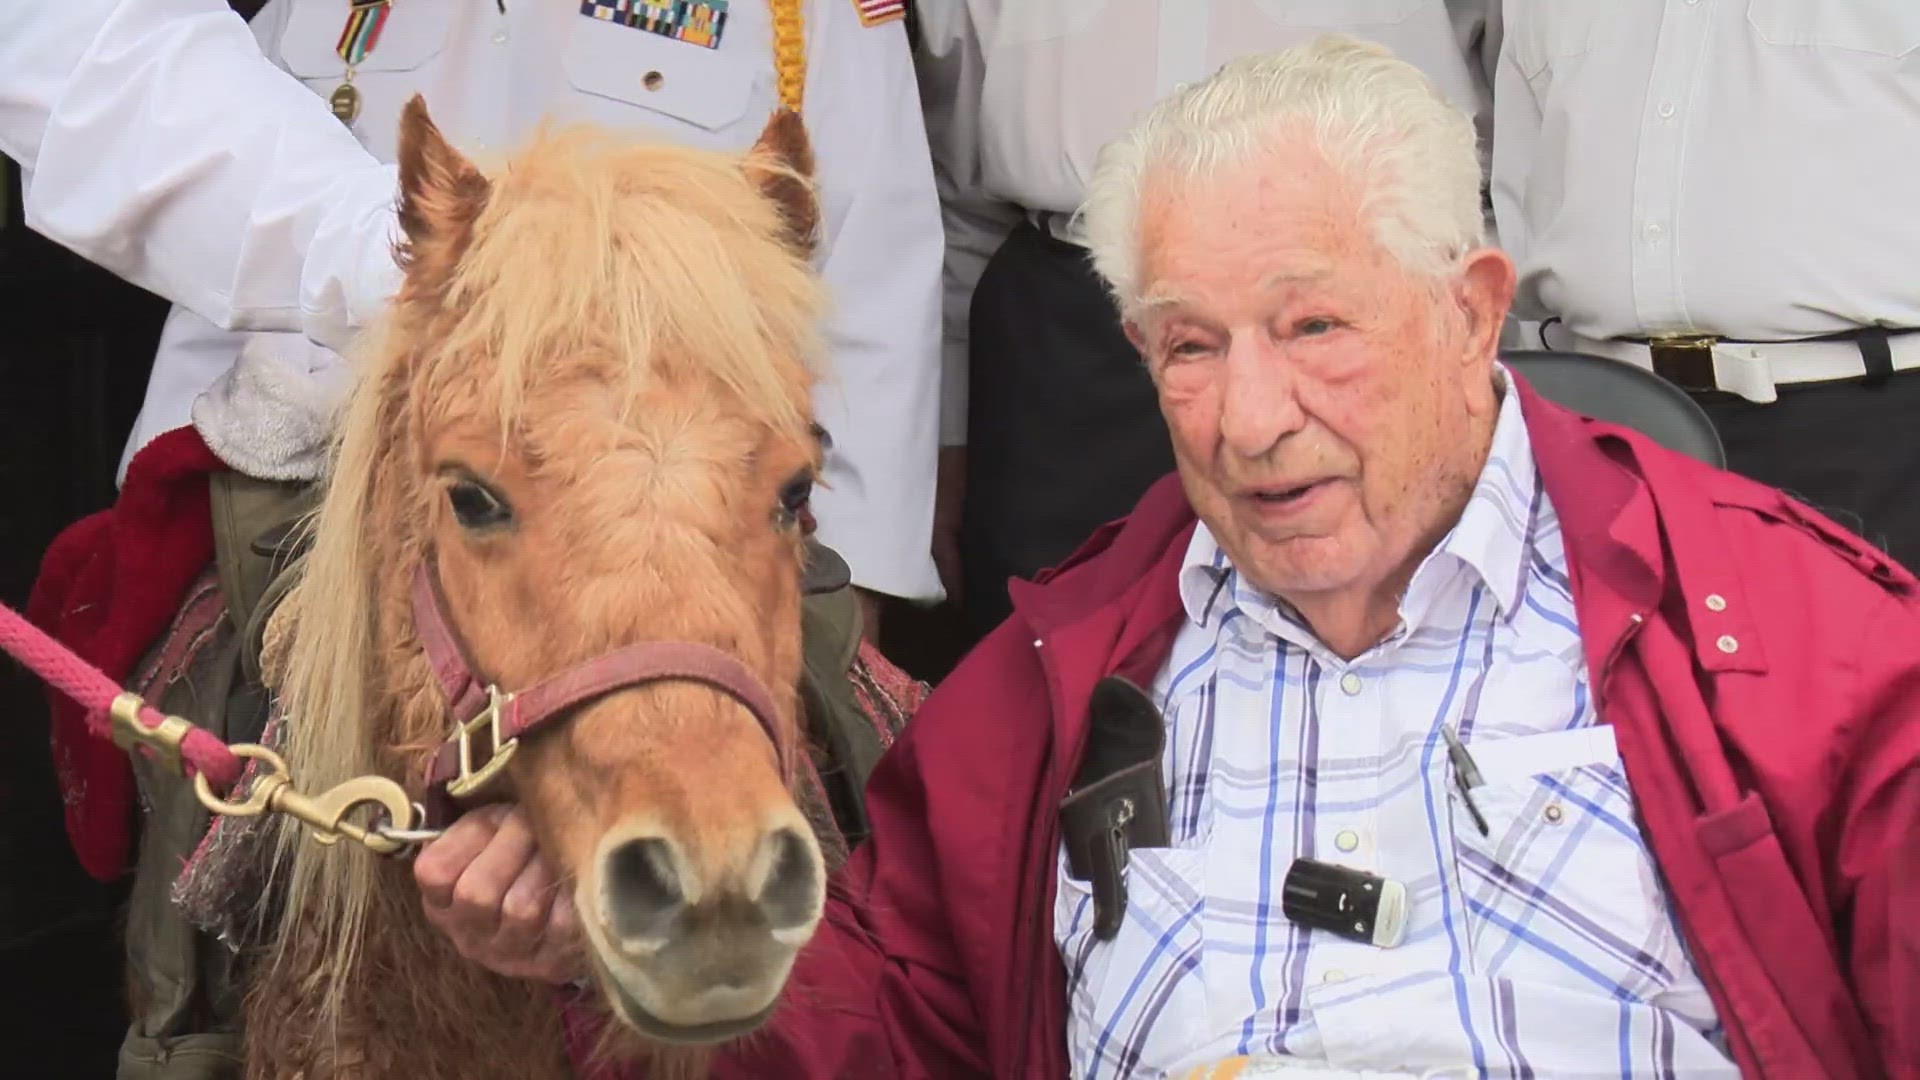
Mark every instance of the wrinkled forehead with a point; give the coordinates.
(1269, 226)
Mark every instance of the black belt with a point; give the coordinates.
(1686, 360)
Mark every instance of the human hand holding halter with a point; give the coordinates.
(484, 885)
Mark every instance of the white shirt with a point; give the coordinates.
(1546, 947)
(161, 143)
(1739, 167)
(1021, 94)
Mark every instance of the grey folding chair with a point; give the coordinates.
(1621, 393)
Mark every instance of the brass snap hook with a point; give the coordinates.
(325, 815)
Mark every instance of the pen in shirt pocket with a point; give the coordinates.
(1466, 776)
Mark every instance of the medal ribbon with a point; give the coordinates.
(362, 31)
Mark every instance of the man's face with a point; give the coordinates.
(1330, 411)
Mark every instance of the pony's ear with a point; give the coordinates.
(441, 195)
(781, 165)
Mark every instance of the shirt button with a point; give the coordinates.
(1347, 840)
(1350, 683)
(653, 80)
(1716, 602)
(1553, 813)
(1666, 110)
(1654, 232)
(1728, 644)
(1334, 975)
(500, 38)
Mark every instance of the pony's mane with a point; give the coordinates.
(657, 265)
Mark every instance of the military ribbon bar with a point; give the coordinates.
(697, 22)
(362, 32)
(877, 12)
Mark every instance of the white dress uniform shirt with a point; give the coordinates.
(1544, 948)
(1743, 168)
(161, 143)
(1021, 94)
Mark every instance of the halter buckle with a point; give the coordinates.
(471, 781)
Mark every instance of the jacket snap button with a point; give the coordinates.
(653, 80)
(1554, 813)
(1716, 602)
(1728, 644)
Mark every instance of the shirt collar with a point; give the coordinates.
(1494, 537)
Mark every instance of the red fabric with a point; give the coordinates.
(1779, 782)
(108, 586)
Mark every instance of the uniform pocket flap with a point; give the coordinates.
(679, 79)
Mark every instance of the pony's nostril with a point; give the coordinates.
(790, 898)
(643, 889)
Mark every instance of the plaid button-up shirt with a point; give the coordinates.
(1546, 948)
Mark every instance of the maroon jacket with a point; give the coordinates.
(1771, 740)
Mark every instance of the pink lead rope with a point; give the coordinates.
(200, 752)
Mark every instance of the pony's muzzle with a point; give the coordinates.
(692, 947)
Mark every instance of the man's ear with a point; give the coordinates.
(781, 166)
(441, 196)
(1484, 290)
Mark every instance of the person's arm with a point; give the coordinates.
(952, 73)
(156, 141)
(881, 261)
(1516, 134)
(1879, 849)
(1477, 25)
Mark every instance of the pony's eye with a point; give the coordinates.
(794, 499)
(475, 507)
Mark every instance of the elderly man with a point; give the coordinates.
(1049, 425)
(1623, 744)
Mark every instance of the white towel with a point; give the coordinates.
(271, 414)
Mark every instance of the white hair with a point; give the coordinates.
(1377, 119)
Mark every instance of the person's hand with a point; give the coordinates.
(484, 885)
(949, 497)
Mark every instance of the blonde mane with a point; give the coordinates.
(653, 263)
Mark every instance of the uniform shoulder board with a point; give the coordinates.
(880, 12)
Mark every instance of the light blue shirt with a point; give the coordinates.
(1546, 948)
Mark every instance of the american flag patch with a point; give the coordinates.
(877, 12)
(699, 22)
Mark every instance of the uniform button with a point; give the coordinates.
(1350, 683)
(1716, 602)
(500, 38)
(1666, 110)
(1334, 975)
(1553, 813)
(653, 80)
(1654, 232)
(1728, 644)
(1347, 840)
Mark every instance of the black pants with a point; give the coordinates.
(1064, 430)
(1849, 448)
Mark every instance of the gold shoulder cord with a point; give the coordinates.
(789, 52)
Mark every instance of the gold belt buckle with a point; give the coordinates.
(1685, 360)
